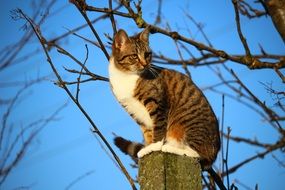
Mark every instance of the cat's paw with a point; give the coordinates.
(179, 149)
(150, 148)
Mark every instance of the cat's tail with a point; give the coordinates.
(128, 147)
(216, 178)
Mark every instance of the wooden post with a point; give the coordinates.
(165, 171)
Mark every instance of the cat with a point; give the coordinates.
(173, 113)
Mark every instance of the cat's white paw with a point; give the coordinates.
(150, 148)
(179, 149)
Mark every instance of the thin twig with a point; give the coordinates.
(248, 11)
(207, 184)
(282, 164)
(273, 115)
(79, 179)
(267, 114)
(64, 52)
(278, 145)
(24, 40)
(222, 131)
(242, 185)
(108, 11)
(80, 7)
(184, 65)
(81, 37)
(200, 28)
(76, 82)
(203, 60)
(54, 40)
(242, 38)
(12, 103)
(112, 19)
(227, 159)
(247, 141)
(5, 170)
(280, 74)
(80, 74)
(158, 15)
(105, 150)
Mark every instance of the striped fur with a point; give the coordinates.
(128, 147)
(167, 105)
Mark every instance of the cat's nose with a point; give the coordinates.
(144, 63)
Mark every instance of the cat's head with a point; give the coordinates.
(132, 53)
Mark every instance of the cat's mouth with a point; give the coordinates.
(143, 68)
(148, 72)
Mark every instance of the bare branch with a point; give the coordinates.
(107, 10)
(251, 63)
(36, 127)
(12, 104)
(273, 115)
(242, 38)
(158, 15)
(184, 65)
(280, 74)
(200, 28)
(247, 10)
(6, 61)
(254, 142)
(112, 19)
(64, 52)
(282, 164)
(79, 77)
(278, 145)
(78, 179)
(81, 6)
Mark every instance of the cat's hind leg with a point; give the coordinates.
(175, 142)
(175, 147)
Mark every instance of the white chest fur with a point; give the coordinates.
(123, 86)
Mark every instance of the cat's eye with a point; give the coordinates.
(147, 55)
(133, 56)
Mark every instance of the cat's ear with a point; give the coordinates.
(120, 39)
(144, 34)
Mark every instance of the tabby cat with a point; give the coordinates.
(172, 112)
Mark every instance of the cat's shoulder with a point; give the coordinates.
(171, 73)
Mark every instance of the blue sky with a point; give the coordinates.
(66, 148)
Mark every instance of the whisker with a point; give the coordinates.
(153, 71)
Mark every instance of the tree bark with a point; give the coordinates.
(276, 9)
(165, 171)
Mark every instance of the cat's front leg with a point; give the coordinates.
(150, 148)
(147, 134)
(156, 143)
(154, 136)
(157, 109)
(154, 139)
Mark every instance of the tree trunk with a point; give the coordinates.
(165, 171)
(276, 9)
